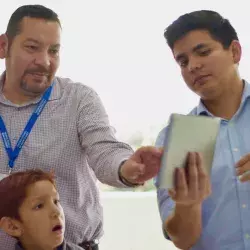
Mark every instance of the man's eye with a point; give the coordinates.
(183, 63)
(205, 52)
(54, 51)
(30, 47)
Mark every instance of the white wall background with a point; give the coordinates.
(117, 47)
(132, 222)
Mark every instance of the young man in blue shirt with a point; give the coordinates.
(211, 212)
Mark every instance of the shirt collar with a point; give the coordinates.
(202, 110)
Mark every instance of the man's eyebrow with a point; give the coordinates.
(32, 40)
(57, 45)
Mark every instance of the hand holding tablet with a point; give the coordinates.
(187, 133)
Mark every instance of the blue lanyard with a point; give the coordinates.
(13, 154)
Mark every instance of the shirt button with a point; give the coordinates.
(235, 149)
(244, 206)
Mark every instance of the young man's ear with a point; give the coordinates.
(3, 46)
(236, 51)
(11, 226)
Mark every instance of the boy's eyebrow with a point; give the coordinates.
(41, 197)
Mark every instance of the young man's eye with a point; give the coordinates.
(205, 52)
(183, 63)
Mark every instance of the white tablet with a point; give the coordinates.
(187, 133)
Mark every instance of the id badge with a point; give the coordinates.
(2, 176)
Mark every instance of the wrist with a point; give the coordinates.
(124, 180)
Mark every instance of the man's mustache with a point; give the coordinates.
(38, 70)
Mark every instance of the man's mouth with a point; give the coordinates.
(39, 74)
(201, 78)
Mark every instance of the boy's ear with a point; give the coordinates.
(11, 226)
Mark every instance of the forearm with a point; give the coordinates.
(184, 226)
(109, 172)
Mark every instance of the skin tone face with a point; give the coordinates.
(42, 220)
(32, 59)
(208, 69)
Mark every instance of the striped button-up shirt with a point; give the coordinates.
(73, 137)
(226, 213)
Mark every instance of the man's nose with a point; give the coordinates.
(194, 65)
(43, 59)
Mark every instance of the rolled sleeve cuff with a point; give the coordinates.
(115, 165)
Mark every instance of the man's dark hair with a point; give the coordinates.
(219, 28)
(33, 11)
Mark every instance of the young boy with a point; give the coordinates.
(30, 211)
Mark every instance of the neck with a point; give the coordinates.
(30, 246)
(227, 104)
(15, 94)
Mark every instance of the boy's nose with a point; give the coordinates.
(55, 212)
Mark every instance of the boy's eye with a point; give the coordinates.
(39, 206)
(57, 201)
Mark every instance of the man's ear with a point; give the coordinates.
(3, 46)
(11, 226)
(236, 51)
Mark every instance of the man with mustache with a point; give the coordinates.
(211, 212)
(55, 123)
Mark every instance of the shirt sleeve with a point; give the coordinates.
(165, 204)
(104, 152)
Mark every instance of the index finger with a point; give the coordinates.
(243, 161)
(153, 150)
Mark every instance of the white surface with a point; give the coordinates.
(187, 133)
(132, 222)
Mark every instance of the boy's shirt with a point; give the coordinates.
(65, 246)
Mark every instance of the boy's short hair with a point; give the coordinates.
(13, 189)
(219, 28)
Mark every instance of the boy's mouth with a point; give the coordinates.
(57, 228)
